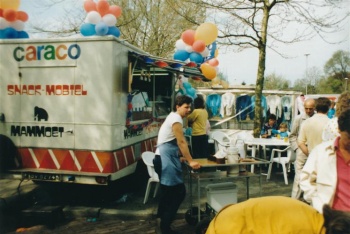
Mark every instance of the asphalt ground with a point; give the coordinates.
(86, 210)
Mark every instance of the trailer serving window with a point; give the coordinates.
(151, 85)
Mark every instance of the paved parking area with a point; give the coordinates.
(132, 216)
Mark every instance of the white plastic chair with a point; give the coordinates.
(147, 158)
(221, 140)
(284, 161)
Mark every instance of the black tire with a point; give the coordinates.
(202, 226)
(191, 216)
(9, 155)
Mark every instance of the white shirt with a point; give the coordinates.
(318, 179)
(287, 107)
(299, 104)
(227, 100)
(274, 104)
(166, 133)
(330, 131)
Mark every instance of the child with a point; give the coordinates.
(283, 130)
(266, 131)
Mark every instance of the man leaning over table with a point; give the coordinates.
(309, 106)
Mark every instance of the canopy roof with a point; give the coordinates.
(158, 65)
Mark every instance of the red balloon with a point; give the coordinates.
(1, 13)
(115, 10)
(22, 16)
(214, 62)
(188, 36)
(90, 5)
(196, 78)
(198, 46)
(9, 15)
(191, 64)
(161, 64)
(102, 7)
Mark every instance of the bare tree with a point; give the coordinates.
(299, 85)
(266, 24)
(274, 81)
(156, 25)
(312, 77)
(153, 26)
(65, 23)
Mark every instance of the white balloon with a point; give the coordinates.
(205, 52)
(180, 44)
(110, 20)
(189, 48)
(18, 25)
(4, 23)
(93, 17)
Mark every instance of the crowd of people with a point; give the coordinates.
(320, 198)
(321, 188)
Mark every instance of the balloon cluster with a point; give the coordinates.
(199, 46)
(186, 88)
(11, 20)
(101, 19)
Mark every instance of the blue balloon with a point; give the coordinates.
(191, 92)
(87, 29)
(213, 49)
(101, 28)
(2, 34)
(113, 31)
(148, 60)
(176, 65)
(196, 57)
(23, 34)
(187, 85)
(181, 55)
(8, 33)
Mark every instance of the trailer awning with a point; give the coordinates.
(160, 65)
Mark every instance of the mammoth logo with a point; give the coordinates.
(40, 113)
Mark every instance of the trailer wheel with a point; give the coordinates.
(191, 216)
(202, 226)
(9, 155)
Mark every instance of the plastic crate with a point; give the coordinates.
(221, 194)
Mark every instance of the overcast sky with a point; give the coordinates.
(241, 66)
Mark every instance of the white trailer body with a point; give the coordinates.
(66, 106)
